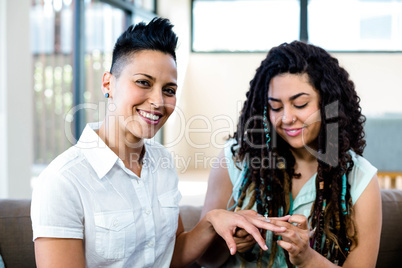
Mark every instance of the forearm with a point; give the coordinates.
(216, 254)
(316, 260)
(191, 245)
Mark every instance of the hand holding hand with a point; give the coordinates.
(226, 223)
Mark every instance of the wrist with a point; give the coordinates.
(209, 217)
(310, 259)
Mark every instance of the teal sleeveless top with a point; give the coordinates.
(358, 178)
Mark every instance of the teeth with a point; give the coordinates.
(149, 116)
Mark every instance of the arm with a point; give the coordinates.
(368, 218)
(218, 194)
(59, 253)
(213, 235)
(190, 245)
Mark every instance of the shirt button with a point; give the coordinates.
(151, 244)
(148, 211)
(115, 222)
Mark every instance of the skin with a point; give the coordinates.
(148, 84)
(294, 112)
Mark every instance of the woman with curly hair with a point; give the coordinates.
(296, 158)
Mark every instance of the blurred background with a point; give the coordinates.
(53, 54)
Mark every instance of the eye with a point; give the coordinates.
(277, 109)
(169, 91)
(301, 106)
(143, 83)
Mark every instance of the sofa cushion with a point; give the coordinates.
(391, 233)
(16, 246)
(190, 215)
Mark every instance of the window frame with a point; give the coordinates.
(303, 35)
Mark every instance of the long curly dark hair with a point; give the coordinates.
(341, 130)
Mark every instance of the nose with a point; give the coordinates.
(156, 98)
(288, 117)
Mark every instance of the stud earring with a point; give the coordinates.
(106, 95)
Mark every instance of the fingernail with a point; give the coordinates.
(231, 251)
(265, 247)
(267, 220)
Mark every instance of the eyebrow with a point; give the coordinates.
(147, 75)
(153, 79)
(290, 98)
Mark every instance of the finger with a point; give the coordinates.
(283, 218)
(286, 246)
(300, 220)
(269, 224)
(254, 232)
(244, 247)
(241, 233)
(269, 219)
(229, 242)
(295, 235)
(245, 238)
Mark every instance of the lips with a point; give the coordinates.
(152, 118)
(293, 132)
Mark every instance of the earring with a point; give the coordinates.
(106, 95)
(265, 122)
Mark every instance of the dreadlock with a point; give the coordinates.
(341, 130)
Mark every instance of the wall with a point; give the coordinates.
(215, 86)
(16, 105)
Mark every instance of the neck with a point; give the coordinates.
(128, 148)
(302, 155)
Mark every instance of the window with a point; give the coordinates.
(356, 25)
(245, 25)
(51, 48)
(68, 66)
(258, 25)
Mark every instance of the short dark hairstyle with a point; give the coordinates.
(156, 35)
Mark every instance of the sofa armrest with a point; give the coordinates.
(16, 246)
(391, 233)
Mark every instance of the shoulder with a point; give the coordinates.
(362, 163)
(63, 173)
(228, 147)
(360, 176)
(63, 162)
(235, 169)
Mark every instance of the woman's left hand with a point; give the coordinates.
(296, 239)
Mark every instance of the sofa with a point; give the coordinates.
(17, 249)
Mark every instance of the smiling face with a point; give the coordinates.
(144, 93)
(294, 109)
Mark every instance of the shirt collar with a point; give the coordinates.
(98, 154)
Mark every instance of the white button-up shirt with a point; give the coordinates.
(124, 220)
